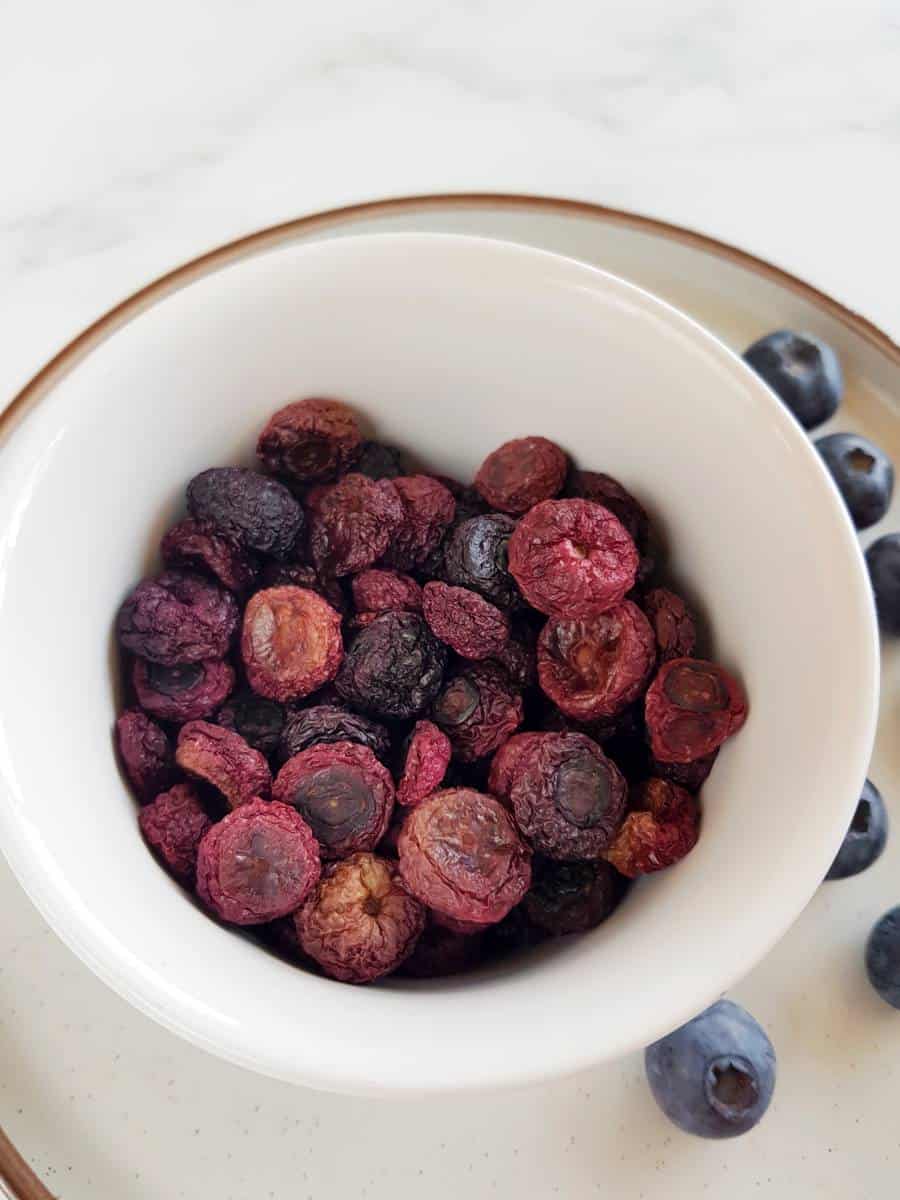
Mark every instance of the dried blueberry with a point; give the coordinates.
(883, 957)
(863, 473)
(802, 371)
(672, 624)
(188, 544)
(221, 757)
(464, 620)
(324, 723)
(883, 561)
(173, 826)
(692, 707)
(257, 513)
(178, 617)
(183, 693)
(381, 590)
(571, 897)
(353, 523)
(521, 473)
(379, 461)
(428, 510)
(866, 837)
(478, 709)
(258, 721)
(310, 440)
(303, 575)
(291, 642)
(425, 764)
(662, 828)
(475, 556)
(146, 754)
(393, 668)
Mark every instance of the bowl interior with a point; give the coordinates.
(447, 345)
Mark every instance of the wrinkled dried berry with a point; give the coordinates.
(425, 765)
(603, 489)
(572, 897)
(224, 759)
(173, 825)
(304, 575)
(394, 667)
(291, 642)
(178, 617)
(310, 440)
(691, 775)
(258, 863)
(672, 624)
(324, 723)
(361, 922)
(601, 730)
(342, 791)
(478, 709)
(258, 721)
(461, 854)
(428, 510)
(440, 952)
(183, 693)
(250, 509)
(146, 754)
(188, 544)
(382, 590)
(455, 925)
(518, 658)
(468, 501)
(521, 473)
(596, 667)
(568, 797)
(504, 764)
(379, 461)
(692, 707)
(515, 934)
(662, 829)
(465, 621)
(281, 936)
(475, 556)
(572, 559)
(353, 523)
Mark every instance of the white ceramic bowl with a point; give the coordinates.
(448, 345)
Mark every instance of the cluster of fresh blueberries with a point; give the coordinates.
(715, 1076)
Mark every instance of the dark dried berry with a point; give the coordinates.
(440, 952)
(601, 730)
(513, 935)
(466, 928)
(692, 707)
(518, 658)
(353, 523)
(468, 501)
(291, 642)
(342, 791)
(475, 556)
(662, 829)
(691, 775)
(425, 765)
(394, 667)
(522, 473)
(568, 797)
(572, 559)
(258, 721)
(310, 440)
(173, 825)
(379, 461)
(460, 853)
(281, 936)
(428, 510)
(250, 509)
(360, 923)
(572, 897)
(672, 623)
(183, 693)
(178, 617)
(304, 575)
(478, 709)
(598, 666)
(146, 754)
(387, 847)
(504, 764)
(381, 590)
(222, 758)
(325, 723)
(603, 489)
(188, 544)
(257, 864)
(465, 621)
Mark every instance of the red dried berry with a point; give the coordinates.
(258, 863)
(291, 642)
(178, 618)
(258, 721)
(461, 854)
(353, 523)
(360, 923)
(672, 624)
(310, 440)
(183, 693)
(478, 710)
(521, 473)
(304, 575)
(428, 511)
(662, 830)
(426, 763)
(146, 754)
(603, 489)
(224, 759)
(342, 791)
(465, 621)
(691, 708)
(691, 775)
(324, 723)
(475, 556)
(504, 764)
(440, 952)
(572, 559)
(257, 513)
(572, 897)
(393, 668)
(598, 666)
(380, 590)
(173, 825)
(188, 544)
(568, 797)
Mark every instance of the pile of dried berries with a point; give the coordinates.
(390, 721)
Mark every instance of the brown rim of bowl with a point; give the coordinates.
(15, 1174)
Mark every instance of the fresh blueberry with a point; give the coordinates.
(714, 1076)
(865, 838)
(802, 371)
(883, 957)
(883, 561)
(863, 473)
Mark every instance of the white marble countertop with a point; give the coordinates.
(131, 140)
